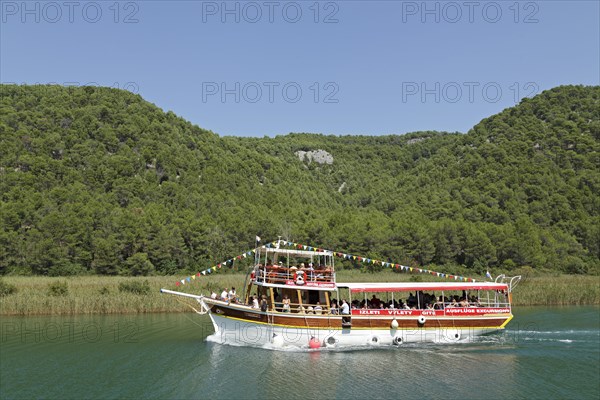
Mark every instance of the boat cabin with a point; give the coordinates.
(291, 280)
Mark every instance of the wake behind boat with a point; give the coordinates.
(292, 298)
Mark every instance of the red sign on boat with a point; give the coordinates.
(449, 310)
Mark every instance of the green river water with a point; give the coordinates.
(546, 353)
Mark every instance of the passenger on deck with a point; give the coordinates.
(264, 306)
(474, 301)
(255, 302)
(439, 305)
(333, 308)
(464, 302)
(213, 295)
(318, 309)
(345, 310)
(286, 303)
(375, 302)
(232, 295)
(225, 295)
(412, 300)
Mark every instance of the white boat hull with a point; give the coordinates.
(249, 333)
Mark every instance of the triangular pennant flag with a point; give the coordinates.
(177, 283)
(204, 272)
(183, 281)
(193, 276)
(188, 279)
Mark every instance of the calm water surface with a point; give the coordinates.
(545, 353)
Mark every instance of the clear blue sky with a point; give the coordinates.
(363, 67)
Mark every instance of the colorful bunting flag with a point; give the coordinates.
(345, 256)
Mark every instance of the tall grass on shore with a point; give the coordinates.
(102, 294)
(110, 295)
(562, 290)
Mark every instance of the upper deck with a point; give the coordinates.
(296, 268)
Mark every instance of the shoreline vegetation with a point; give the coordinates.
(37, 295)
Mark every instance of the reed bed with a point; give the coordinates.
(562, 290)
(101, 294)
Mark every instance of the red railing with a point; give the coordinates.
(281, 275)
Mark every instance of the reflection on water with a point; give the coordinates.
(546, 353)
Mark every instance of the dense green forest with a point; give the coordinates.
(97, 180)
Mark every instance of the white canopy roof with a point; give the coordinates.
(298, 253)
(425, 286)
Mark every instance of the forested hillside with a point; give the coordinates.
(97, 180)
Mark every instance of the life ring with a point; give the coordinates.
(422, 320)
(299, 278)
(397, 340)
(453, 335)
(330, 342)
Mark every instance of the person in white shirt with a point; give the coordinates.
(224, 295)
(318, 309)
(345, 309)
(232, 295)
(254, 302)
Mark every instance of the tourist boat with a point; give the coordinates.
(292, 298)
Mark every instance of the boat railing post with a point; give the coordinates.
(443, 303)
